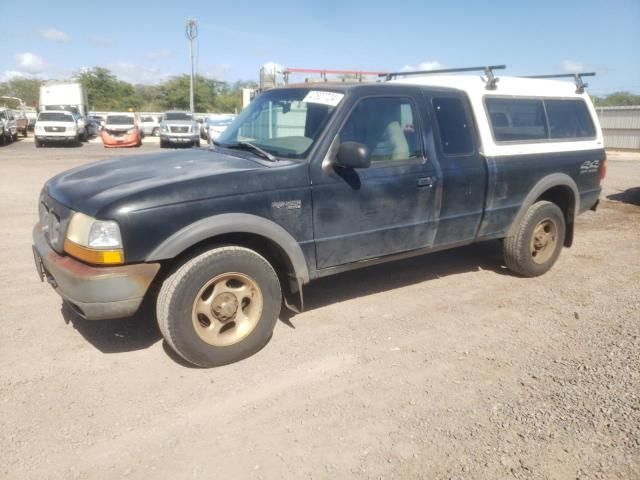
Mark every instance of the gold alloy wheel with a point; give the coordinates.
(227, 309)
(543, 242)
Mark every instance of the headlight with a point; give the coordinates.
(130, 131)
(94, 241)
(72, 128)
(164, 128)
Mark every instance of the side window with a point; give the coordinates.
(454, 126)
(386, 125)
(569, 119)
(517, 119)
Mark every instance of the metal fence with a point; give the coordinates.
(620, 127)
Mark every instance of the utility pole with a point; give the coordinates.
(191, 32)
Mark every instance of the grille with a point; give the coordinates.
(117, 133)
(54, 129)
(179, 129)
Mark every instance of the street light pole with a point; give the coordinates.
(191, 32)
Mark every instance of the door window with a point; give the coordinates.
(453, 125)
(387, 126)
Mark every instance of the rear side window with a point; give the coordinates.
(454, 126)
(517, 119)
(569, 119)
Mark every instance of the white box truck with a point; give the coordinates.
(71, 97)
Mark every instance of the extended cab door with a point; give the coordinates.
(387, 208)
(464, 174)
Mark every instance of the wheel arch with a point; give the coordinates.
(242, 229)
(559, 189)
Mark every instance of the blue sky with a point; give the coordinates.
(144, 41)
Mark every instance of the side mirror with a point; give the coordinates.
(353, 155)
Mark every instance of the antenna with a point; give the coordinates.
(577, 78)
(191, 32)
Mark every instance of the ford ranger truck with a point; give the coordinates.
(312, 180)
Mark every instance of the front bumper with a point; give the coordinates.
(177, 138)
(96, 293)
(130, 140)
(56, 138)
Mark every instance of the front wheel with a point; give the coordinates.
(536, 245)
(220, 306)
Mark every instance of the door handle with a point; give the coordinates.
(426, 181)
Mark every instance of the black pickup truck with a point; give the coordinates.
(312, 180)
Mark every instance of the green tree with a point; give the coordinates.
(106, 92)
(617, 99)
(27, 89)
(174, 93)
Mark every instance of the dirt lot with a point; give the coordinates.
(445, 366)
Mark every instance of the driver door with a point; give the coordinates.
(384, 209)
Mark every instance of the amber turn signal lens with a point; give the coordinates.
(91, 255)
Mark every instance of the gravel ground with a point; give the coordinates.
(444, 366)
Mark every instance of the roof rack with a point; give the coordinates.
(358, 74)
(577, 78)
(491, 79)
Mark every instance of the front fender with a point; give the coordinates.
(232, 223)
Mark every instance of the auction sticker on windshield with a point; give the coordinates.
(325, 98)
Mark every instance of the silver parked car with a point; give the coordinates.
(179, 128)
(150, 125)
(8, 126)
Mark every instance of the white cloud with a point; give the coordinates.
(132, 73)
(30, 63)
(54, 35)
(98, 41)
(159, 54)
(217, 72)
(428, 65)
(572, 66)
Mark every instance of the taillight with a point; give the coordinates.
(603, 170)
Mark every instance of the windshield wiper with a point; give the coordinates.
(253, 148)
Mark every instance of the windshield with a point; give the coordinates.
(284, 122)
(3, 116)
(55, 117)
(68, 108)
(147, 119)
(177, 116)
(119, 120)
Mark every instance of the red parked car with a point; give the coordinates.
(122, 130)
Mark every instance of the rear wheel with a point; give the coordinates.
(220, 306)
(537, 243)
(37, 142)
(155, 132)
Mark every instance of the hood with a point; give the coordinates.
(125, 184)
(50, 123)
(118, 127)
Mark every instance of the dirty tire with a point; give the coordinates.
(518, 249)
(182, 289)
